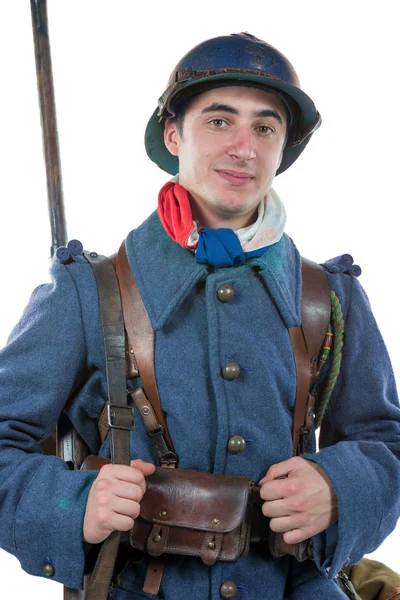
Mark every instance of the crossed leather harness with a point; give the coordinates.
(225, 511)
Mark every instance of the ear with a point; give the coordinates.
(171, 137)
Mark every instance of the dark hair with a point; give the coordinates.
(180, 111)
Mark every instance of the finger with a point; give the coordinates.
(125, 508)
(276, 508)
(145, 467)
(123, 473)
(273, 490)
(265, 480)
(128, 491)
(288, 522)
(295, 536)
(280, 469)
(121, 523)
(283, 524)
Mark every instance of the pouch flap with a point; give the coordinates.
(195, 500)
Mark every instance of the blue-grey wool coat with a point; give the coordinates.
(56, 352)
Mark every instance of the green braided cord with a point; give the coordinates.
(338, 332)
(324, 354)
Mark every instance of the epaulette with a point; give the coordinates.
(343, 264)
(72, 252)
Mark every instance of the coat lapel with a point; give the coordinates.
(168, 273)
(280, 269)
(164, 271)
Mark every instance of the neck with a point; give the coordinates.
(215, 220)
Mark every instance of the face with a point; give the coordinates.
(229, 150)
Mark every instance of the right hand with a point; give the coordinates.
(113, 501)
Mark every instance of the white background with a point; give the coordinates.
(111, 61)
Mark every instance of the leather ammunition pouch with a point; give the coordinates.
(196, 514)
(213, 517)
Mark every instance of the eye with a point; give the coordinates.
(265, 129)
(218, 123)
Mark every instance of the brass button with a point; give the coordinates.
(228, 589)
(225, 293)
(212, 545)
(48, 570)
(236, 444)
(231, 371)
(163, 513)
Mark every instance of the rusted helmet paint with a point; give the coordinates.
(237, 59)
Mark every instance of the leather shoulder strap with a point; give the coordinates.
(303, 381)
(140, 335)
(307, 341)
(315, 306)
(120, 416)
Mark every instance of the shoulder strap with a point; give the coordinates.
(140, 336)
(120, 416)
(315, 306)
(307, 340)
(140, 342)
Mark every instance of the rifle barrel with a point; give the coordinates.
(51, 150)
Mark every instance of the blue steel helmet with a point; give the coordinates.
(237, 59)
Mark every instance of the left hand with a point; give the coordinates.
(302, 503)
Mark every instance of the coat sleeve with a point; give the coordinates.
(360, 438)
(42, 502)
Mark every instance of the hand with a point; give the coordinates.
(301, 503)
(113, 501)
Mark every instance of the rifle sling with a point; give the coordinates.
(120, 416)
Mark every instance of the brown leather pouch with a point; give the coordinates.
(196, 514)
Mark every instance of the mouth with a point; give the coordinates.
(237, 178)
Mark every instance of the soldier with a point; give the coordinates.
(221, 283)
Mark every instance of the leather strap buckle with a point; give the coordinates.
(119, 420)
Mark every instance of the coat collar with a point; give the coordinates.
(166, 273)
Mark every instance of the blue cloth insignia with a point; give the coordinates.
(72, 252)
(343, 264)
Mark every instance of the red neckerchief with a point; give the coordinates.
(176, 214)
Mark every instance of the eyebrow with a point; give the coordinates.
(217, 107)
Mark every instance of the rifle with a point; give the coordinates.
(65, 441)
(51, 150)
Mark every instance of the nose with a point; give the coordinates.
(242, 144)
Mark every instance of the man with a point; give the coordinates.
(221, 283)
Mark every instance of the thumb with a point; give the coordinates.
(146, 467)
